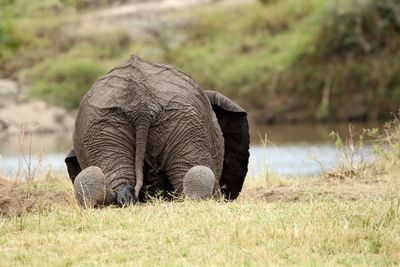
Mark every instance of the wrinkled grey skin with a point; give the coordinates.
(149, 124)
(199, 183)
(90, 188)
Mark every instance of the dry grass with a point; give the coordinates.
(350, 217)
(369, 184)
(324, 221)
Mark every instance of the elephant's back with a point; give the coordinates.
(169, 85)
(152, 83)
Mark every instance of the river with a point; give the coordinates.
(291, 150)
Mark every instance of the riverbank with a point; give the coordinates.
(284, 61)
(346, 217)
(379, 180)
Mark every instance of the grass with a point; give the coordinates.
(209, 234)
(250, 231)
(345, 218)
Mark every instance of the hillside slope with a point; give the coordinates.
(284, 60)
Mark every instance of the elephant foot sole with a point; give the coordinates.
(199, 183)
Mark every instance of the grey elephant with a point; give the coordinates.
(146, 126)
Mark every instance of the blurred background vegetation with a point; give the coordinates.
(283, 60)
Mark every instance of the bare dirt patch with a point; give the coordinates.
(326, 188)
(17, 198)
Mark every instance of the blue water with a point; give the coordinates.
(287, 160)
(292, 150)
(300, 159)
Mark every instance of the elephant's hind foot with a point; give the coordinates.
(125, 197)
(199, 183)
(90, 188)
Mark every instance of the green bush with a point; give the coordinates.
(65, 80)
(359, 27)
(266, 2)
(240, 50)
(351, 67)
(36, 9)
(7, 40)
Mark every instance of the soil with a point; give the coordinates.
(16, 201)
(344, 189)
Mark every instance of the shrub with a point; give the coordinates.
(7, 40)
(358, 27)
(65, 80)
(35, 43)
(266, 2)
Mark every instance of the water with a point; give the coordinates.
(298, 160)
(302, 149)
(30, 155)
(290, 150)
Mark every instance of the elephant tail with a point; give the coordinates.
(142, 131)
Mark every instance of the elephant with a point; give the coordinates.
(149, 126)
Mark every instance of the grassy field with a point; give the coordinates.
(255, 230)
(246, 232)
(348, 217)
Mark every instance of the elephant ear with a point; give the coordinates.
(233, 122)
(73, 166)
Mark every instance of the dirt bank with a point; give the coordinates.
(18, 198)
(377, 180)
